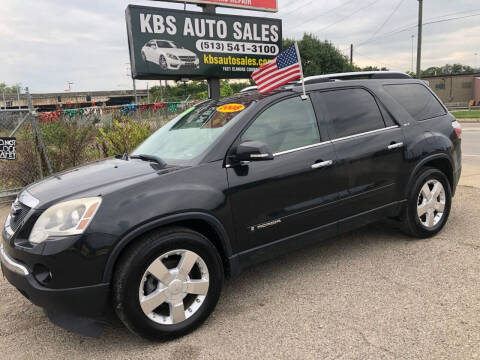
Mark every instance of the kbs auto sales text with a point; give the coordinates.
(211, 28)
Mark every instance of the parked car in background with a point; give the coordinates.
(169, 56)
(225, 185)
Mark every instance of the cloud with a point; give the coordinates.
(47, 43)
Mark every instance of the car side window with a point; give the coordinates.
(417, 100)
(287, 125)
(351, 112)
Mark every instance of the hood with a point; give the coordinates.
(178, 52)
(93, 179)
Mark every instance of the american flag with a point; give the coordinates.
(284, 68)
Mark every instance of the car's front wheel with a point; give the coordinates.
(428, 204)
(167, 283)
(163, 62)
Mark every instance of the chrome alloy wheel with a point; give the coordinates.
(431, 203)
(174, 287)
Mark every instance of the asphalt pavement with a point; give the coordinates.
(471, 143)
(371, 294)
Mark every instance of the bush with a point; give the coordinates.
(122, 136)
(69, 143)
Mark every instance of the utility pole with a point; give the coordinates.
(4, 101)
(213, 83)
(419, 46)
(351, 54)
(476, 62)
(413, 52)
(148, 94)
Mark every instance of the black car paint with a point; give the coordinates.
(254, 212)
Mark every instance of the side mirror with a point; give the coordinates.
(252, 151)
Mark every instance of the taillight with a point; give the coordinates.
(458, 129)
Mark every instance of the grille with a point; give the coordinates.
(188, 66)
(17, 215)
(187, 58)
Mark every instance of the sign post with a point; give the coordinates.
(213, 82)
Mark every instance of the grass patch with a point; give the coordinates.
(469, 114)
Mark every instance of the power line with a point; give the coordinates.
(349, 16)
(387, 20)
(403, 29)
(327, 12)
(298, 8)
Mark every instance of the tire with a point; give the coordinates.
(163, 62)
(434, 210)
(137, 292)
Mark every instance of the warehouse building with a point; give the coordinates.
(456, 90)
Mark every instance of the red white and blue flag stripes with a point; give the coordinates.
(284, 68)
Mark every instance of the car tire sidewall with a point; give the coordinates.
(418, 228)
(134, 316)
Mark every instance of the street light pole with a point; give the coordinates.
(419, 46)
(413, 50)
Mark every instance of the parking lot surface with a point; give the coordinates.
(371, 294)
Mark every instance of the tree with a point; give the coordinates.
(9, 89)
(320, 57)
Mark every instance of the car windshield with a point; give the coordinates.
(190, 134)
(166, 44)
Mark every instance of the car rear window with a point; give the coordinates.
(417, 100)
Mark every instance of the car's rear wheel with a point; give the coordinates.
(428, 204)
(167, 284)
(163, 62)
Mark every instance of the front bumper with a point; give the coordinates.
(87, 301)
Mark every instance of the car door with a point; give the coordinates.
(293, 194)
(369, 146)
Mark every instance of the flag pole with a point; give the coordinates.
(304, 96)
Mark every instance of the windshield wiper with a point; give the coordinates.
(147, 157)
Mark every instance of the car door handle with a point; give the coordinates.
(322, 164)
(395, 146)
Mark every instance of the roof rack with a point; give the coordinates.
(370, 75)
(359, 75)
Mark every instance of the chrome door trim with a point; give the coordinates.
(335, 140)
(301, 148)
(365, 133)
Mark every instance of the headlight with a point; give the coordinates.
(171, 56)
(66, 218)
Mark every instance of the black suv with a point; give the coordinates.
(225, 185)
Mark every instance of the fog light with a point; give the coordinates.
(42, 274)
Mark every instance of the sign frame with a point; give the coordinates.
(236, 6)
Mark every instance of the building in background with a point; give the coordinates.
(456, 90)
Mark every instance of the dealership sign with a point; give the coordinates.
(262, 5)
(175, 44)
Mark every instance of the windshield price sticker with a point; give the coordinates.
(174, 44)
(229, 108)
(8, 148)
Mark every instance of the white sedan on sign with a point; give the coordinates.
(169, 56)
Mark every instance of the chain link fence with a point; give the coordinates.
(49, 142)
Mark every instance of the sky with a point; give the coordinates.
(44, 44)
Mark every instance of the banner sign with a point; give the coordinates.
(261, 5)
(174, 44)
(8, 148)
